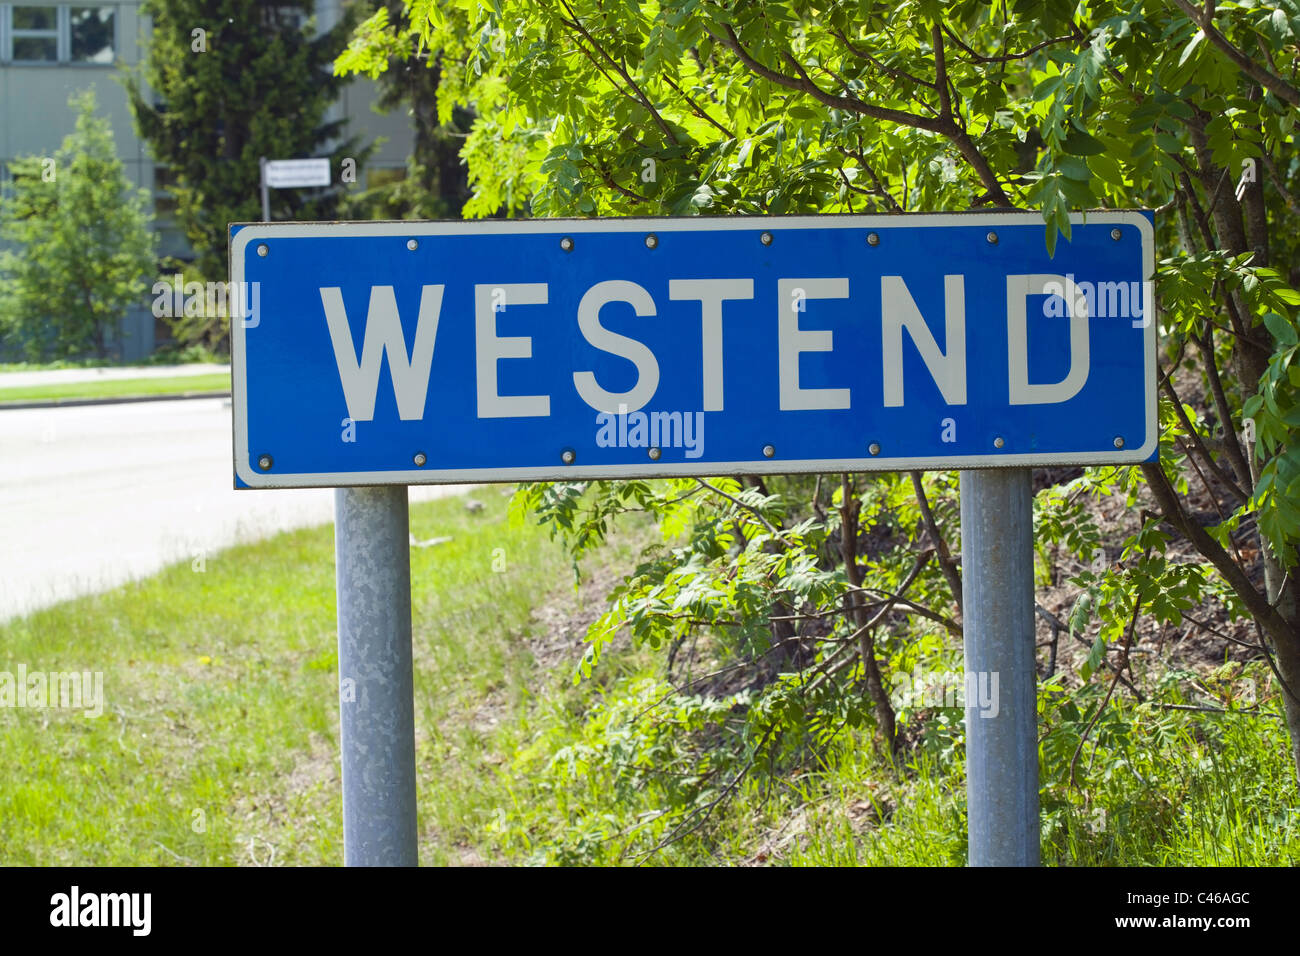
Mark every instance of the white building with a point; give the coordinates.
(50, 50)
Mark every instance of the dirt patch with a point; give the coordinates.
(563, 619)
(556, 639)
(285, 806)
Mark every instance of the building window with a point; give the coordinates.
(31, 33)
(35, 34)
(90, 30)
(283, 16)
(384, 176)
(164, 203)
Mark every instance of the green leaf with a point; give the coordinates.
(1075, 169)
(1079, 143)
(1191, 47)
(1095, 656)
(1048, 87)
(1282, 330)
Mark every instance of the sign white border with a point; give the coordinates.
(253, 232)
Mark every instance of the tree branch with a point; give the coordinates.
(740, 504)
(880, 186)
(1274, 84)
(608, 178)
(944, 126)
(946, 563)
(576, 25)
(1128, 640)
(1268, 616)
(888, 71)
(941, 74)
(699, 110)
(1199, 445)
(979, 58)
(805, 85)
(1236, 457)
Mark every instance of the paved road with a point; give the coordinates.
(91, 496)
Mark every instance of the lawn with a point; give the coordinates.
(218, 743)
(119, 388)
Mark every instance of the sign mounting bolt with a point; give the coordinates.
(568, 456)
(765, 238)
(654, 454)
(566, 244)
(1115, 234)
(874, 448)
(873, 239)
(420, 459)
(1119, 442)
(651, 241)
(265, 462)
(768, 451)
(992, 238)
(262, 250)
(412, 244)
(998, 442)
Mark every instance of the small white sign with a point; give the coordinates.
(293, 173)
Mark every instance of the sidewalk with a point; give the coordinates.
(64, 376)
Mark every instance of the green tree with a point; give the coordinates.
(677, 107)
(224, 84)
(436, 185)
(83, 244)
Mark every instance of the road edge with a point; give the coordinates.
(115, 400)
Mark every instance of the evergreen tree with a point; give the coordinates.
(436, 185)
(83, 244)
(226, 82)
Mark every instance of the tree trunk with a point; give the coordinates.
(884, 709)
(1240, 230)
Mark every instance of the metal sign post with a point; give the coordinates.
(388, 354)
(266, 191)
(997, 559)
(376, 697)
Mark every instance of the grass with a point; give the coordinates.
(218, 744)
(219, 740)
(119, 388)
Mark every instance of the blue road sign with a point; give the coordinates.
(411, 353)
